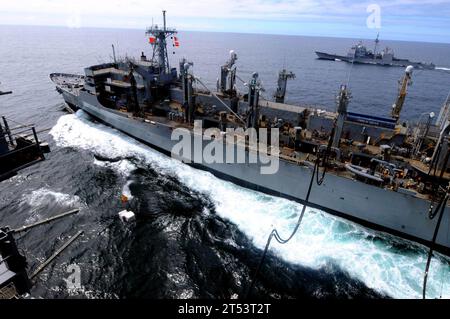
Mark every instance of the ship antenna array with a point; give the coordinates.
(274, 233)
(377, 41)
(160, 44)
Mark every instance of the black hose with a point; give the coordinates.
(442, 206)
(274, 232)
(319, 180)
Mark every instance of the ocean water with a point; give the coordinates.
(196, 235)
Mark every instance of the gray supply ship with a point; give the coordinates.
(360, 54)
(378, 173)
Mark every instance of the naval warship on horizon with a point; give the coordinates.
(359, 54)
(379, 172)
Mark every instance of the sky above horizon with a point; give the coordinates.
(410, 20)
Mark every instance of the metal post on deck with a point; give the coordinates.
(164, 18)
(37, 141)
(8, 131)
(114, 53)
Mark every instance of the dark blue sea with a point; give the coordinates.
(197, 236)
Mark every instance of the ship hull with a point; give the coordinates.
(397, 213)
(371, 61)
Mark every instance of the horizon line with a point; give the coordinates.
(217, 31)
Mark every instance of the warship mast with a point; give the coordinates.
(158, 40)
(377, 41)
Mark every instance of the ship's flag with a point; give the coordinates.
(176, 42)
(152, 40)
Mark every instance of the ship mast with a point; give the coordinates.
(158, 39)
(377, 41)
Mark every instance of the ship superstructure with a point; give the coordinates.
(379, 172)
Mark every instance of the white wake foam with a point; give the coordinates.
(41, 197)
(322, 238)
(124, 167)
(442, 68)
